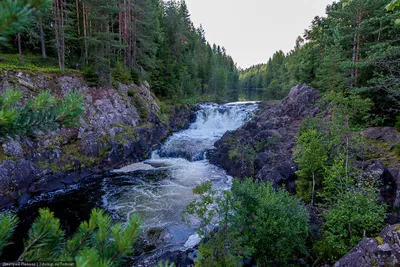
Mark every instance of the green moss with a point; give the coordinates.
(396, 228)
(396, 149)
(380, 240)
(131, 92)
(31, 64)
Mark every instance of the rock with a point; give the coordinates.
(117, 129)
(386, 134)
(262, 148)
(371, 252)
(192, 241)
(377, 171)
(179, 258)
(13, 148)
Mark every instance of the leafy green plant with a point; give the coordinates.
(96, 242)
(255, 220)
(397, 124)
(311, 155)
(357, 214)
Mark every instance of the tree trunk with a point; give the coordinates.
(19, 49)
(313, 189)
(84, 18)
(62, 36)
(77, 17)
(42, 41)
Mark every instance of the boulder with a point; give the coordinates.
(372, 252)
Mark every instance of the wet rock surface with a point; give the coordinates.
(381, 251)
(117, 128)
(262, 148)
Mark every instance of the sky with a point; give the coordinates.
(252, 30)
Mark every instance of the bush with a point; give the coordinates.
(254, 220)
(397, 124)
(275, 222)
(95, 243)
(120, 74)
(356, 214)
(91, 76)
(135, 74)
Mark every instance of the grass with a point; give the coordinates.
(31, 63)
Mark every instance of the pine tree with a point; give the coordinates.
(96, 242)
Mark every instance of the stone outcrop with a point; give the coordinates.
(372, 252)
(120, 126)
(385, 163)
(262, 148)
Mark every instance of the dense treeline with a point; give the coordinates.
(354, 49)
(127, 40)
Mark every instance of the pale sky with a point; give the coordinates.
(252, 30)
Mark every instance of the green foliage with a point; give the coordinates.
(165, 264)
(356, 214)
(14, 15)
(347, 51)
(45, 238)
(95, 243)
(311, 155)
(91, 76)
(397, 124)
(8, 224)
(396, 149)
(146, 39)
(141, 107)
(38, 114)
(120, 74)
(254, 220)
(277, 224)
(202, 208)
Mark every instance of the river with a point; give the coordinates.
(157, 189)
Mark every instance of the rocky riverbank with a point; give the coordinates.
(121, 125)
(262, 148)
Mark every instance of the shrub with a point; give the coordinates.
(95, 243)
(135, 74)
(397, 123)
(91, 76)
(120, 74)
(356, 214)
(254, 220)
(275, 222)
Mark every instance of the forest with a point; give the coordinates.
(111, 41)
(351, 58)
(354, 49)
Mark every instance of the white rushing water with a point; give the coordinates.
(160, 188)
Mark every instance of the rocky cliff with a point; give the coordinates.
(262, 148)
(121, 125)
